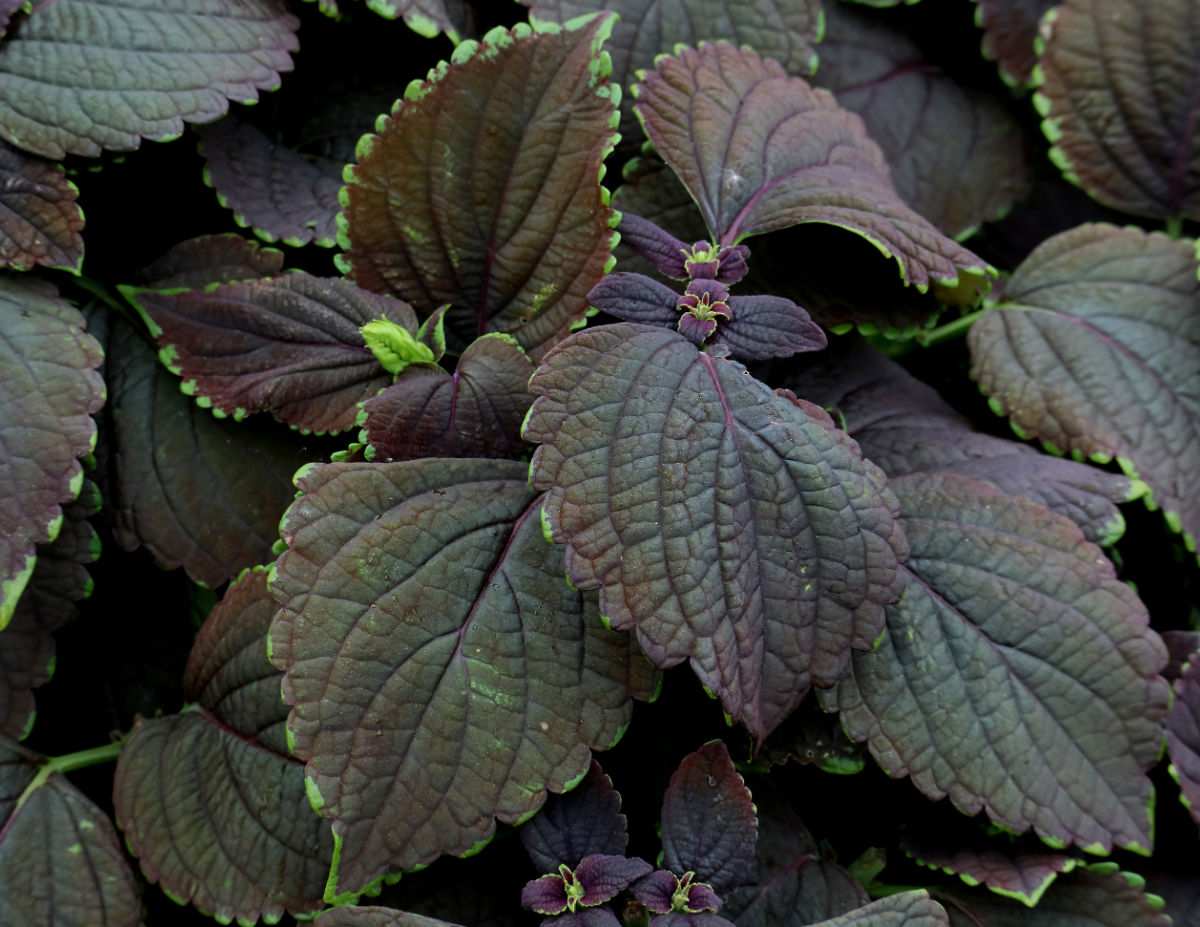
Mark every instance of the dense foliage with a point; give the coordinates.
(598, 509)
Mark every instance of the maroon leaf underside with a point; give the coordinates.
(711, 478)
(584, 821)
(51, 388)
(709, 825)
(476, 411)
(503, 267)
(494, 670)
(1183, 736)
(1017, 675)
(208, 259)
(276, 190)
(1010, 28)
(957, 156)
(289, 345)
(1021, 875)
(760, 151)
(40, 221)
(450, 16)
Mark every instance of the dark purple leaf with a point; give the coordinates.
(84, 75)
(636, 298)
(50, 386)
(583, 821)
(209, 800)
(290, 345)
(710, 538)
(1010, 28)
(375, 917)
(1182, 646)
(796, 157)
(513, 241)
(652, 191)
(957, 156)
(708, 822)
(1020, 875)
(587, 917)
(495, 672)
(61, 862)
(654, 244)
(425, 17)
(200, 262)
(474, 412)
(656, 891)
(1095, 349)
(196, 492)
(548, 894)
(905, 427)
(604, 877)
(276, 190)
(908, 909)
(1017, 675)
(1092, 896)
(40, 222)
(1113, 133)
(1183, 736)
(763, 327)
(1181, 892)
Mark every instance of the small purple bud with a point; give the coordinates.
(703, 262)
(735, 264)
(696, 330)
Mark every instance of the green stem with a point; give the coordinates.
(959, 326)
(1175, 226)
(69, 762)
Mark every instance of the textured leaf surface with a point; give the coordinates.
(786, 30)
(1183, 736)
(197, 493)
(61, 863)
(761, 151)
(84, 75)
(290, 345)
(278, 191)
(709, 826)
(199, 262)
(1017, 675)
(1022, 876)
(1009, 30)
(495, 673)
(209, 800)
(426, 17)
(731, 526)
(513, 241)
(1095, 896)
(909, 909)
(474, 412)
(50, 389)
(1117, 131)
(1095, 349)
(905, 427)
(957, 156)
(40, 222)
(375, 917)
(584, 821)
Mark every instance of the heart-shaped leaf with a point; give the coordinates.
(474, 412)
(761, 151)
(514, 241)
(209, 259)
(1017, 674)
(584, 821)
(1095, 349)
(1129, 146)
(51, 388)
(908, 909)
(1183, 736)
(717, 536)
(40, 222)
(709, 826)
(85, 75)
(493, 670)
(1010, 29)
(290, 345)
(1022, 876)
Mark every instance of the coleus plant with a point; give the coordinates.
(451, 509)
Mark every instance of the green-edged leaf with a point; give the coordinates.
(40, 222)
(278, 191)
(60, 579)
(1183, 736)
(513, 241)
(197, 493)
(1114, 81)
(1095, 349)
(908, 909)
(1017, 674)
(420, 602)
(1021, 875)
(291, 345)
(957, 156)
(734, 527)
(376, 917)
(1010, 29)
(209, 800)
(905, 427)
(1091, 896)
(475, 412)
(786, 30)
(49, 388)
(85, 75)
(211, 259)
(61, 863)
(761, 151)
(425, 17)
